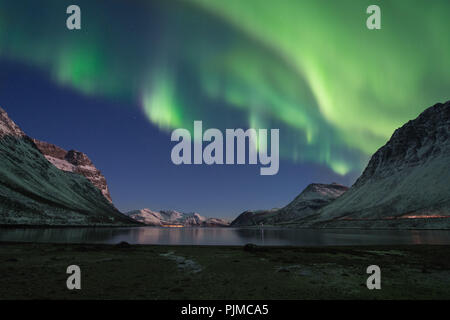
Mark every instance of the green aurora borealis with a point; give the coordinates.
(336, 90)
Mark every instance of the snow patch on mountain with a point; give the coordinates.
(8, 127)
(76, 162)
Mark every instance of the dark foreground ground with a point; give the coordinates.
(38, 271)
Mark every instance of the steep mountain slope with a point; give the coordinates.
(313, 197)
(405, 184)
(175, 218)
(35, 192)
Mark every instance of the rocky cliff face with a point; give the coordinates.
(74, 161)
(8, 127)
(35, 192)
(405, 184)
(175, 218)
(313, 197)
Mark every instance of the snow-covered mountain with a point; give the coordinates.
(313, 197)
(175, 218)
(33, 191)
(406, 183)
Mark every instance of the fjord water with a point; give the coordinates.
(226, 236)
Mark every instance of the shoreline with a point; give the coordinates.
(161, 272)
(268, 227)
(250, 246)
(50, 226)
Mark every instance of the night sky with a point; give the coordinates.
(138, 69)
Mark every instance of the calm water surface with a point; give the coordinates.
(226, 236)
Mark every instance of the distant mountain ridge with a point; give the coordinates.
(35, 192)
(312, 198)
(175, 218)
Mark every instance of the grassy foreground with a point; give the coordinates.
(38, 271)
